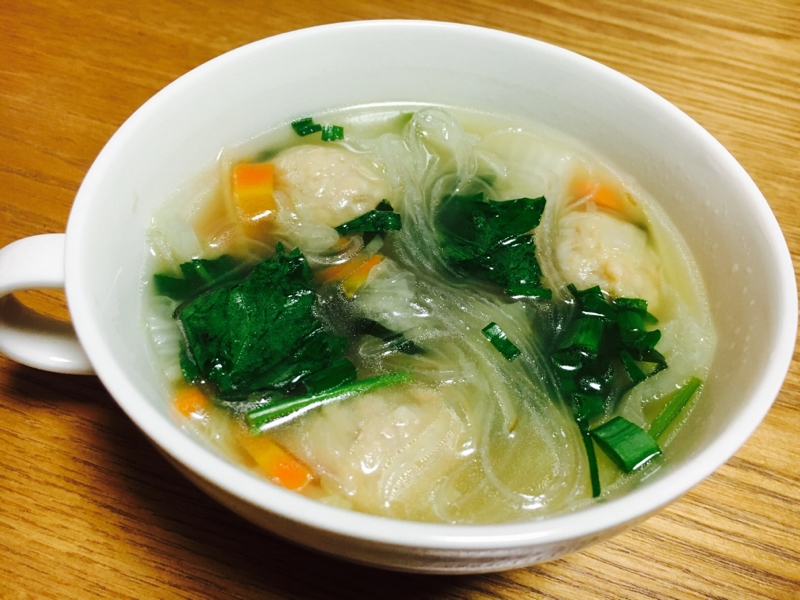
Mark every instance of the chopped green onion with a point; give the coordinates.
(568, 361)
(631, 368)
(673, 408)
(586, 407)
(304, 127)
(592, 306)
(500, 341)
(332, 132)
(586, 334)
(635, 304)
(627, 444)
(591, 457)
(261, 418)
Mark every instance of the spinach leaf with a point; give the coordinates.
(491, 240)
(260, 333)
(380, 220)
(197, 276)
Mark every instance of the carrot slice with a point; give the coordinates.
(253, 196)
(339, 272)
(278, 464)
(358, 277)
(602, 194)
(190, 400)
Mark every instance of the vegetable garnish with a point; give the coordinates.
(598, 192)
(278, 464)
(190, 400)
(304, 127)
(491, 239)
(253, 198)
(282, 411)
(396, 341)
(198, 276)
(381, 219)
(627, 444)
(605, 351)
(607, 335)
(591, 457)
(341, 271)
(673, 408)
(330, 133)
(261, 333)
(499, 340)
(356, 280)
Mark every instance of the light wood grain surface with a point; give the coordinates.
(88, 509)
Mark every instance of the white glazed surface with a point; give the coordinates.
(725, 220)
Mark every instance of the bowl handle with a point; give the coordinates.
(25, 335)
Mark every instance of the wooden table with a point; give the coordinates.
(88, 509)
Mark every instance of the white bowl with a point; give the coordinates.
(720, 212)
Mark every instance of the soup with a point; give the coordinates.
(428, 314)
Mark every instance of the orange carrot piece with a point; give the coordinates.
(253, 195)
(358, 278)
(190, 400)
(341, 271)
(602, 194)
(278, 464)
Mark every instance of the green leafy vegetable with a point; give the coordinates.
(591, 457)
(605, 350)
(340, 372)
(304, 127)
(499, 340)
(332, 132)
(261, 333)
(261, 418)
(673, 408)
(380, 220)
(491, 240)
(396, 341)
(197, 276)
(627, 444)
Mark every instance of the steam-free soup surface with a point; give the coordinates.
(450, 427)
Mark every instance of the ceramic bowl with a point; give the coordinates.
(725, 220)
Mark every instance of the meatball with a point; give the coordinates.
(320, 187)
(598, 248)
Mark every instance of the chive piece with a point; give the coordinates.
(261, 418)
(500, 341)
(627, 444)
(568, 361)
(585, 407)
(674, 407)
(631, 368)
(591, 457)
(304, 127)
(586, 334)
(637, 305)
(331, 133)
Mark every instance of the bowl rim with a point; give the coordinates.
(587, 521)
